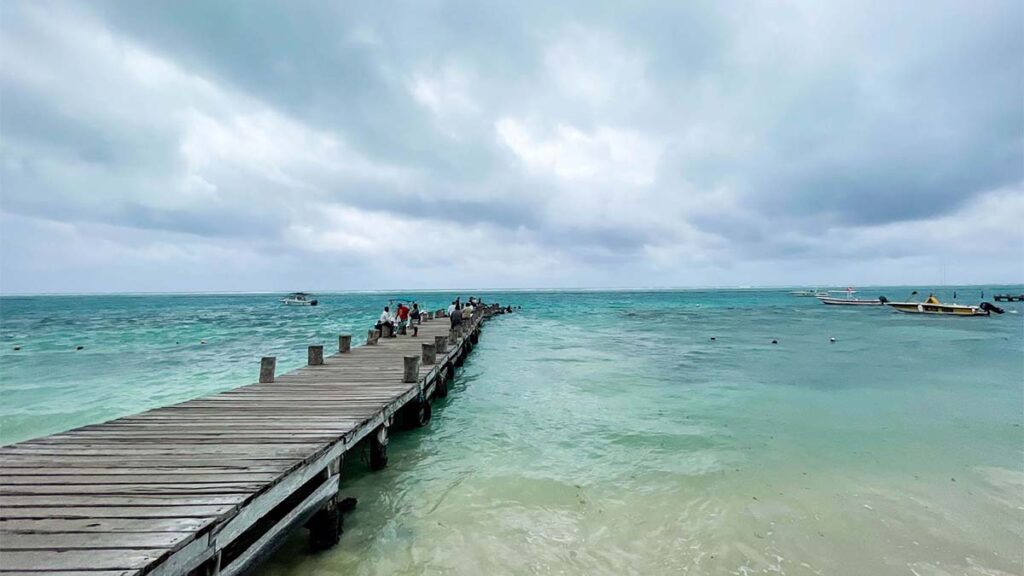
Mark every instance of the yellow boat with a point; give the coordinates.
(933, 306)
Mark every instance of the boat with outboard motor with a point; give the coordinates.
(849, 300)
(934, 307)
(299, 299)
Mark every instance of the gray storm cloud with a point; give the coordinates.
(271, 146)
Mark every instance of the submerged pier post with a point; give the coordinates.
(315, 356)
(411, 373)
(429, 353)
(268, 365)
(325, 526)
(379, 449)
(344, 343)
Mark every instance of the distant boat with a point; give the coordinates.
(808, 293)
(299, 299)
(933, 306)
(1009, 297)
(849, 300)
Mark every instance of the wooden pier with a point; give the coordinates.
(211, 486)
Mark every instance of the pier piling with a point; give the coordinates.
(411, 373)
(344, 343)
(315, 356)
(268, 364)
(429, 354)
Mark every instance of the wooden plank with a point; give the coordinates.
(131, 478)
(42, 501)
(130, 467)
(56, 512)
(104, 525)
(49, 560)
(73, 573)
(92, 540)
(133, 489)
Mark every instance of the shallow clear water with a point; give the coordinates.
(607, 433)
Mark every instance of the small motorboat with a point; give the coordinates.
(1009, 297)
(849, 300)
(933, 306)
(299, 299)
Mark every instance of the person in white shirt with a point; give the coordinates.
(451, 308)
(385, 318)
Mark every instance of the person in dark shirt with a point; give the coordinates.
(456, 316)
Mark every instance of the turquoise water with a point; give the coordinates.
(606, 433)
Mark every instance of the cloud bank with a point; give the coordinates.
(178, 146)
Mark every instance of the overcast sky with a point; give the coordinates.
(176, 146)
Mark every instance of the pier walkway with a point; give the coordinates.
(212, 485)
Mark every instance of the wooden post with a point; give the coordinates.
(315, 356)
(411, 374)
(429, 353)
(385, 330)
(344, 343)
(379, 449)
(325, 526)
(453, 336)
(440, 344)
(371, 337)
(268, 364)
(430, 315)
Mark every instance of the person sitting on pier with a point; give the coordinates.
(468, 310)
(386, 323)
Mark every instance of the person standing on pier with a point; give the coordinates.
(403, 318)
(456, 315)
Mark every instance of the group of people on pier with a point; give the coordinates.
(399, 321)
(400, 318)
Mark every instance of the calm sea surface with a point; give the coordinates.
(605, 432)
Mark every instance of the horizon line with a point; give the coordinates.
(480, 289)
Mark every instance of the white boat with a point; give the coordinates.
(849, 300)
(808, 293)
(299, 299)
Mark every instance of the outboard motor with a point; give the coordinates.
(989, 307)
(883, 299)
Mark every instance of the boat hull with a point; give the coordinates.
(938, 309)
(848, 302)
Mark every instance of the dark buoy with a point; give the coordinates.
(832, 339)
(79, 347)
(202, 341)
(16, 348)
(775, 341)
(712, 338)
